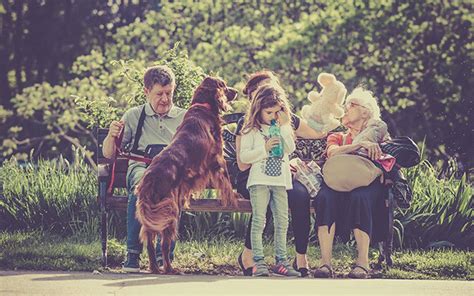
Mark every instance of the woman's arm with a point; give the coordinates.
(306, 132)
(288, 139)
(242, 166)
(373, 149)
(335, 149)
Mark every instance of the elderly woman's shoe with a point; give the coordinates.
(324, 271)
(358, 272)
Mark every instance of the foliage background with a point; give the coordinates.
(417, 57)
(67, 67)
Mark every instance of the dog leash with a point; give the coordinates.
(119, 153)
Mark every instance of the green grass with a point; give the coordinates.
(36, 251)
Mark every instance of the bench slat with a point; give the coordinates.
(198, 205)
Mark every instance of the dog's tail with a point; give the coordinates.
(157, 217)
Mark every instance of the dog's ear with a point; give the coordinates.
(231, 93)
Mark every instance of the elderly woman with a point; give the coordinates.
(357, 210)
(298, 197)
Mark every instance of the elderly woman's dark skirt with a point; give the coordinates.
(362, 208)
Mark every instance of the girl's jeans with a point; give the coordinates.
(260, 197)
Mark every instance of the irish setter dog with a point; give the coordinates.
(192, 161)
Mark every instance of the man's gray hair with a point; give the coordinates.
(162, 75)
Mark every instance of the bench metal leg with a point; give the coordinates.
(103, 224)
(389, 241)
(386, 247)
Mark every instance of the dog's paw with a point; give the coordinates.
(155, 271)
(172, 271)
(238, 196)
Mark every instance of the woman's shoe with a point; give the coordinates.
(303, 270)
(245, 271)
(358, 272)
(324, 272)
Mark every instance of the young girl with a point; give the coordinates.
(269, 176)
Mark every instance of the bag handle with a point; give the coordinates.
(344, 139)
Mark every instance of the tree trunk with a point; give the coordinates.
(18, 44)
(5, 50)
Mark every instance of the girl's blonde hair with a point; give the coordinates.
(267, 96)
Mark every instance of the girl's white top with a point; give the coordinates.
(252, 151)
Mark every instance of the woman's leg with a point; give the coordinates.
(362, 202)
(326, 239)
(299, 204)
(247, 256)
(363, 242)
(326, 205)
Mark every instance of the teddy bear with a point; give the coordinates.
(326, 106)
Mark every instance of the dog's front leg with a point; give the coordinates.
(221, 181)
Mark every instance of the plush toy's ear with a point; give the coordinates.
(337, 111)
(313, 96)
(326, 79)
(341, 94)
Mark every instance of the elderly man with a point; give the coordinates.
(154, 122)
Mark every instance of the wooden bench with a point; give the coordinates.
(306, 150)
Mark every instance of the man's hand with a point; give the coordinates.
(115, 128)
(373, 149)
(272, 142)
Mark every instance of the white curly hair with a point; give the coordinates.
(366, 99)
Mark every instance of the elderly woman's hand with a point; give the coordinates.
(373, 149)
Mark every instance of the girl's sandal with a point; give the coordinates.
(324, 271)
(358, 272)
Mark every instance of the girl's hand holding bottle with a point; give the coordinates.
(272, 142)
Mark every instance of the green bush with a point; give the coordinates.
(55, 195)
(60, 196)
(441, 213)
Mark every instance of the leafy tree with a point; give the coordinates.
(65, 115)
(415, 55)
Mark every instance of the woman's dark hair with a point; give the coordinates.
(257, 77)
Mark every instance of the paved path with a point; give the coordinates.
(77, 283)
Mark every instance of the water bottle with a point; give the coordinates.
(274, 131)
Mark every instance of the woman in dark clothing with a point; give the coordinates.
(298, 197)
(359, 210)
